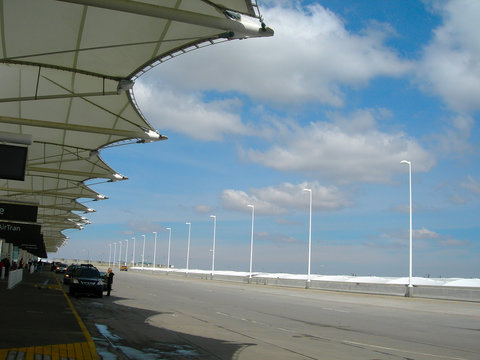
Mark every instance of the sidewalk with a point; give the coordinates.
(38, 322)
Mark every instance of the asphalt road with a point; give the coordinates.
(170, 317)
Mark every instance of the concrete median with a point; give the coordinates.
(418, 291)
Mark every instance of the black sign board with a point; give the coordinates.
(15, 232)
(13, 160)
(34, 245)
(18, 212)
(25, 236)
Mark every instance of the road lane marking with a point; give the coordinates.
(400, 350)
(335, 310)
(254, 322)
(286, 330)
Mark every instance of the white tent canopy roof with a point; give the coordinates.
(67, 69)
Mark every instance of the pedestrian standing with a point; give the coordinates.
(109, 279)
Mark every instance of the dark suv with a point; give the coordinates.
(86, 280)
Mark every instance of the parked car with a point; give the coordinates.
(86, 280)
(68, 273)
(88, 265)
(60, 268)
(123, 268)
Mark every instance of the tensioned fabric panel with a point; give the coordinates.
(67, 70)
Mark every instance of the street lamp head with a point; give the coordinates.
(168, 228)
(213, 216)
(310, 190)
(405, 162)
(154, 232)
(187, 223)
(252, 206)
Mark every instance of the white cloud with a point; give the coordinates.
(451, 62)
(189, 114)
(422, 239)
(239, 200)
(332, 151)
(203, 209)
(450, 69)
(472, 185)
(453, 137)
(360, 121)
(449, 241)
(279, 200)
(424, 233)
(308, 59)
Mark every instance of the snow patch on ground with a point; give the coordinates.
(345, 278)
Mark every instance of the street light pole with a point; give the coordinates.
(309, 237)
(168, 254)
(251, 240)
(133, 255)
(120, 254)
(409, 163)
(143, 253)
(213, 248)
(126, 251)
(109, 254)
(188, 243)
(155, 250)
(114, 253)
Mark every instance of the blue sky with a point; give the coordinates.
(333, 102)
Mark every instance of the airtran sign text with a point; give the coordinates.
(10, 227)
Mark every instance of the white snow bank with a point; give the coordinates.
(368, 279)
(345, 278)
(464, 282)
(417, 281)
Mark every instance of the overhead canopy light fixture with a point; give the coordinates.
(124, 85)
